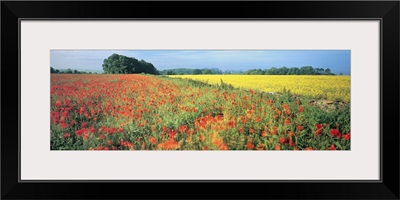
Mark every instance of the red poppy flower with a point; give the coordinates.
(299, 128)
(308, 149)
(250, 146)
(332, 147)
(66, 136)
(182, 128)
(231, 124)
(82, 110)
(318, 132)
(264, 134)
(346, 136)
(335, 133)
(79, 132)
(58, 103)
(152, 140)
(64, 125)
(319, 129)
(100, 148)
(301, 109)
(172, 133)
(282, 140)
(278, 147)
(111, 131)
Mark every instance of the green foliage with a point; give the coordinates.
(182, 71)
(120, 64)
(305, 70)
(67, 71)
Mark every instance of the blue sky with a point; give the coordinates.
(337, 60)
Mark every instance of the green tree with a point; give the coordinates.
(283, 71)
(170, 72)
(294, 71)
(206, 71)
(328, 71)
(307, 70)
(197, 71)
(319, 71)
(120, 64)
(273, 71)
(69, 71)
(52, 70)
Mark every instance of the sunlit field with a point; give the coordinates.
(336, 88)
(146, 112)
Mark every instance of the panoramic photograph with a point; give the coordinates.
(267, 100)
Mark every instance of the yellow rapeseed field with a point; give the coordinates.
(326, 87)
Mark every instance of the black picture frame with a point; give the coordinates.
(13, 11)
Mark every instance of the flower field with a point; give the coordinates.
(327, 87)
(146, 112)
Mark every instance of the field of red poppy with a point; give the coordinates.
(145, 112)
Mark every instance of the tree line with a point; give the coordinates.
(67, 71)
(306, 70)
(182, 71)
